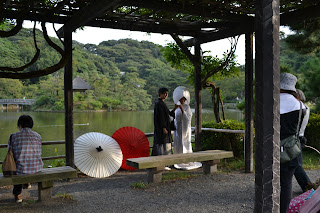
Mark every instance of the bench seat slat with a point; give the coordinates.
(163, 160)
(47, 174)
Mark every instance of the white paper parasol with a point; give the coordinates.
(97, 155)
(180, 92)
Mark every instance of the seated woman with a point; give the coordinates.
(26, 148)
(182, 134)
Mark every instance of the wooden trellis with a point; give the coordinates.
(204, 21)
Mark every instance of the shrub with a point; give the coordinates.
(58, 105)
(96, 105)
(312, 132)
(80, 97)
(42, 101)
(224, 141)
(109, 102)
(82, 105)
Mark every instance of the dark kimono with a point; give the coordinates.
(161, 120)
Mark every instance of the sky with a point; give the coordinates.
(97, 35)
(94, 35)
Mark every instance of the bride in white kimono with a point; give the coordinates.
(182, 134)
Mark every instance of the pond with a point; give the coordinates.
(50, 125)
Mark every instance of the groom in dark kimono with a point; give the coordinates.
(162, 132)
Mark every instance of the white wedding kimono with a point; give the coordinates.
(182, 136)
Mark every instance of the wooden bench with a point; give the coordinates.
(44, 178)
(155, 164)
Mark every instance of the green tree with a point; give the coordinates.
(30, 91)
(232, 88)
(211, 68)
(107, 67)
(11, 88)
(132, 95)
(306, 36)
(311, 75)
(305, 40)
(101, 86)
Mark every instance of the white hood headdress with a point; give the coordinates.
(180, 92)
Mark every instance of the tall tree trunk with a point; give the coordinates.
(216, 101)
(221, 102)
(215, 104)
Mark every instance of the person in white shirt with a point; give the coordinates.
(300, 174)
(290, 107)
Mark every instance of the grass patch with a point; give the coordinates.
(231, 164)
(177, 175)
(65, 196)
(311, 159)
(57, 163)
(28, 202)
(139, 185)
(53, 150)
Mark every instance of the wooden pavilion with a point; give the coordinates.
(204, 21)
(80, 85)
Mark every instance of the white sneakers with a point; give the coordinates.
(18, 198)
(167, 168)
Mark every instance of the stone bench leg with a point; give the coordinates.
(45, 190)
(155, 174)
(210, 167)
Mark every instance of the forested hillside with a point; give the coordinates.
(124, 74)
(306, 66)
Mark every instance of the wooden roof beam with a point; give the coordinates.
(205, 11)
(194, 25)
(215, 36)
(10, 14)
(142, 26)
(221, 34)
(146, 27)
(285, 19)
(80, 18)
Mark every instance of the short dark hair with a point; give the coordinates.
(163, 90)
(301, 95)
(25, 121)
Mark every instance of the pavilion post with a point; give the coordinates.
(267, 101)
(198, 95)
(249, 103)
(68, 101)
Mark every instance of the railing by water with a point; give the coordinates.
(44, 143)
(18, 101)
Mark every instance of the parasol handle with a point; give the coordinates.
(99, 149)
(313, 148)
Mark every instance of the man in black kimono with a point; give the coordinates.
(162, 132)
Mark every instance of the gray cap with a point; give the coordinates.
(288, 81)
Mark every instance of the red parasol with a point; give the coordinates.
(133, 143)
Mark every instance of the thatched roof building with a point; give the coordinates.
(79, 85)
